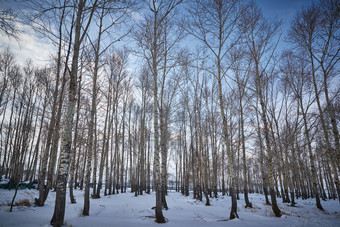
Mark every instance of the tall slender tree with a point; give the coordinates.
(214, 24)
(314, 31)
(59, 209)
(260, 38)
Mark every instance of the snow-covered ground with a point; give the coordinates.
(127, 210)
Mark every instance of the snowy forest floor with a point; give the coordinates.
(127, 210)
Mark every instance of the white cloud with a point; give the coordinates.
(29, 45)
(136, 16)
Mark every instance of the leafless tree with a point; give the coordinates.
(59, 210)
(315, 32)
(8, 22)
(214, 24)
(150, 38)
(260, 38)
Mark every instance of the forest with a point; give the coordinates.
(207, 98)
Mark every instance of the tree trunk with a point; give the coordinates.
(41, 200)
(55, 142)
(59, 209)
(73, 179)
(311, 157)
(275, 208)
(157, 181)
(233, 212)
(245, 182)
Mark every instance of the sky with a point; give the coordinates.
(282, 9)
(31, 45)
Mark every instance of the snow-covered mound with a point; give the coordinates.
(127, 210)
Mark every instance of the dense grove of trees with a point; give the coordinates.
(230, 114)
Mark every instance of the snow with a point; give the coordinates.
(127, 210)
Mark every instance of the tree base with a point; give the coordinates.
(95, 196)
(38, 203)
(85, 213)
(277, 212)
(233, 215)
(160, 220)
(320, 207)
(249, 205)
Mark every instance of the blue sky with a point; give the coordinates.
(38, 49)
(282, 9)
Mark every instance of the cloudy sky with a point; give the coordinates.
(31, 45)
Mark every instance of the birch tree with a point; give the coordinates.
(59, 209)
(150, 37)
(296, 75)
(314, 31)
(214, 24)
(261, 42)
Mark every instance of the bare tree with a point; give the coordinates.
(59, 209)
(241, 70)
(314, 31)
(42, 174)
(296, 75)
(214, 24)
(8, 20)
(150, 39)
(259, 38)
(105, 9)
